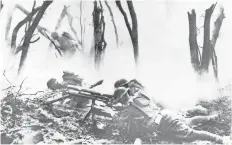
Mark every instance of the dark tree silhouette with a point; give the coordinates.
(206, 44)
(133, 31)
(99, 32)
(18, 26)
(194, 48)
(201, 62)
(113, 21)
(217, 27)
(29, 33)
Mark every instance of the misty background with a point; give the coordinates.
(164, 68)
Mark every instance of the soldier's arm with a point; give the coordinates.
(116, 101)
(136, 83)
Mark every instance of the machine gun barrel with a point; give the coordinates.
(82, 90)
(89, 96)
(85, 93)
(74, 90)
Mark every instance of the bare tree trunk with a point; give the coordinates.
(81, 25)
(96, 22)
(18, 26)
(118, 3)
(194, 49)
(134, 30)
(217, 26)
(30, 32)
(10, 15)
(113, 21)
(40, 28)
(206, 53)
(83, 35)
(134, 36)
(99, 32)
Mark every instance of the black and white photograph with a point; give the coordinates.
(116, 72)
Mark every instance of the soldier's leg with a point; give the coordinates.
(179, 130)
(202, 135)
(132, 130)
(200, 119)
(186, 133)
(197, 109)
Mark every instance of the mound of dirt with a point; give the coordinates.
(29, 120)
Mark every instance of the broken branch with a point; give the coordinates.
(115, 28)
(35, 40)
(32, 93)
(56, 47)
(118, 3)
(39, 28)
(30, 32)
(6, 77)
(133, 31)
(20, 24)
(20, 87)
(33, 8)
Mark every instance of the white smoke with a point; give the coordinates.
(164, 67)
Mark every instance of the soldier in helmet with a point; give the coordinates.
(65, 43)
(69, 78)
(143, 115)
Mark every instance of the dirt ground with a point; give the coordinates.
(23, 117)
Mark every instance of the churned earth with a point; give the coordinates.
(25, 119)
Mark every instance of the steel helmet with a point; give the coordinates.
(120, 83)
(54, 35)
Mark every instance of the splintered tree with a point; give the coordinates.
(200, 62)
(31, 26)
(133, 31)
(26, 21)
(42, 30)
(99, 32)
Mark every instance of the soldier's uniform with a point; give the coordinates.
(142, 115)
(70, 78)
(66, 44)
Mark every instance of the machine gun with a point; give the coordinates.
(76, 91)
(89, 94)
